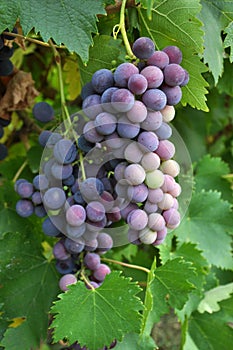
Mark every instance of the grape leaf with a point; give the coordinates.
(213, 296)
(29, 283)
(72, 77)
(97, 316)
(34, 158)
(209, 172)
(215, 16)
(189, 344)
(212, 331)
(224, 84)
(128, 252)
(206, 224)
(74, 24)
(229, 40)
(132, 341)
(175, 23)
(101, 54)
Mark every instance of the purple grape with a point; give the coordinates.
(137, 84)
(36, 198)
(126, 129)
(133, 237)
(43, 112)
(159, 59)
(3, 151)
(174, 54)
(153, 121)
(107, 200)
(43, 137)
(91, 245)
(167, 202)
(174, 74)
(40, 211)
(137, 194)
(122, 100)
(91, 188)
(4, 122)
(173, 93)
(87, 90)
(65, 266)
(84, 145)
(165, 150)
(123, 72)
(102, 79)
(150, 207)
(137, 219)
(153, 75)
(65, 151)
(69, 181)
(75, 215)
(133, 152)
(78, 198)
(54, 198)
(149, 140)
(53, 139)
(135, 174)
(74, 247)
(150, 161)
(156, 222)
(75, 232)
(154, 99)
(101, 272)
(186, 78)
(90, 133)
(94, 285)
(105, 123)
(169, 183)
(40, 182)
(155, 195)
(49, 228)
(66, 281)
(143, 48)
(114, 215)
(172, 218)
(95, 211)
(1, 131)
(176, 191)
(59, 251)
(164, 132)
(92, 106)
(105, 242)
(161, 234)
(138, 112)
(61, 172)
(24, 208)
(25, 189)
(92, 261)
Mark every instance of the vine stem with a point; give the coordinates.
(86, 280)
(20, 170)
(136, 267)
(121, 27)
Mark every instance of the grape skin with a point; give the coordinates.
(137, 219)
(24, 208)
(123, 72)
(102, 79)
(92, 261)
(154, 99)
(75, 215)
(153, 75)
(137, 84)
(100, 273)
(95, 211)
(54, 198)
(174, 54)
(159, 59)
(143, 48)
(43, 112)
(67, 280)
(137, 113)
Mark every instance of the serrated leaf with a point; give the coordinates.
(224, 84)
(228, 42)
(209, 176)
(180, 27)
(206, 224)
(29, 283)
(74, 24)
(132, 341)
(213, 297)
(128, 252)
(101, 55)
(72, 77)
(97, 316)
(212, 331)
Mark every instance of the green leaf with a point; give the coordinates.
(101, 54)
(213, 331)
(128, 252)
(97, 316)
(34, 158)
(213, 297)
(72, 77)
(132, 341)
(29, 283)
(175, 23)
(209, 176)
(224, 84)
(228, 42)
(206, 224)
(74, 24)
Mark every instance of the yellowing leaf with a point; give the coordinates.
(72, 78)
(17, 321)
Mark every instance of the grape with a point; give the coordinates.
(95, 211)
(105, 123)
(159, 59)
(91, 188)
(154, 99)
(106, 98)
(121, 188)
(156, 222)
(75, 232)
(176, 191)
(105, 242)
(75, 215)
(3, 151)
(126, 129)
(127, 209)
(92, 261)
(74, 247)
(186, 78)
(169, 183)
(172, 218)
(147, 236)
(133, 237)
(101, 272)
(1, 131)
(9, 37)
(167, 202)
(91, 245)
(170, 167)
(153, 121)
(40, 211)
(59, 251)
(92, 106)
(137, 194)
(18, 182)
(162, 234)
(122, 100)
(53, 139)
(61, 172)
(69, 181)
(135, 174)
(25, 189)
(40, 182)
(123, 72)
(150, 161)
(153, 75)
(43, 112)
(78, 198)
(137, 84)
(65, 266)
(90, 133)
(94, 285)
(114, 215)
(165, 150)
(114, 141)
(150, 207)
(84, 145)
(87, 90)
(43, 137)
(174, 74)
(49, 228)
(6, 68)
(143, 48)
(36, 198)
(101, 80)
(137, 113)
(154, 179)
(168, 113)
(4, 122)
(149, 140)
(164, 131)
(133, 154)
(137, 219)
(24, 208)
(173, 94)
(65, 151)
(54, 198)
(1, 42)
(107, 200)
(174, 54)
(66, 281)
(155, 195)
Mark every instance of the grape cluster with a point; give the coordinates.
(118, 168)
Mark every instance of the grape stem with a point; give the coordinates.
(136, 267)
(86, 280)
(20, 170)
(121, 27)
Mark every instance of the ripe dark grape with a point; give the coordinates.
(174, 74)
(67, 280)
(40, 182)
(6, 68)
(74, 247)
(137, 194)
(137, 219)
(101, 80)
(39, 210)
(126, 129)
(91, 188)
(174, 54)
(122, 100)
(43, 137)
(54, 198)
(149, 140)
(123, 72)
(159, 59)
(25, 189)
(186, 78)
(105, 123)
(153, 121)
(43, 112)
(154, 99)
(49, 228)
(87, 90)
(101, 272)
(95, 211)
(92, 106)
(173, 94)
(6, 52)
(137, 113)
(36, 198)
(164, 132)
(65, 151)
(65, 266)
(59, 251)
(75, 232)
(143, 48)
(137, 84)
(61, 172)
(153, 75)
(75, 215)
(92, 261)
(135, 174)
(90, 133)
(105, 242)
(24, 208)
